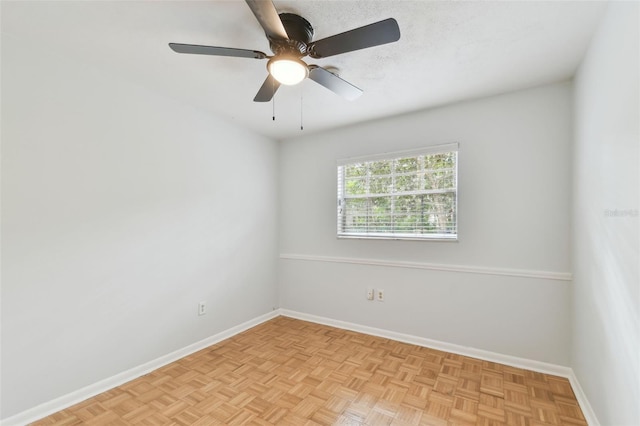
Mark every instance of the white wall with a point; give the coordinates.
(514, 204)
(121, 210)
(606, 336)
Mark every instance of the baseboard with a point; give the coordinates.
(80, 395)
(585, 405)
(513, 361)
(528, 364)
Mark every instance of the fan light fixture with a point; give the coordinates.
(288, 70)
(290, 39)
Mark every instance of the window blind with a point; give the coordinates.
(409, 194)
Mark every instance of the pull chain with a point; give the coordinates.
(301, 125)
(273, 100)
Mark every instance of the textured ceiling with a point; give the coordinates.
(448, 51)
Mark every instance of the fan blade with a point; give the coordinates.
(216, 51)
(267, 16)
(375, 34)
(267, 90)
(334, 83)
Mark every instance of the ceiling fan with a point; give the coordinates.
(290, 39)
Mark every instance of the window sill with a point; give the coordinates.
(398, 237)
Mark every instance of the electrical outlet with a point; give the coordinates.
(380, 295)
(370, 293)
(202, 308)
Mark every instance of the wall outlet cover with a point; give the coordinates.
(370, 293)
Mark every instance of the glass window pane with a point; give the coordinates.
(380, 167)
(405, 183)
(411, 196)
(380, 185)
(439, 179)
(355, 187)
(355, 170)
(404, 165)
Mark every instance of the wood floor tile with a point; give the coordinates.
(464, 410)
(491, 383)
(292, 372)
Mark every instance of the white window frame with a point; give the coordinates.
(435, 149)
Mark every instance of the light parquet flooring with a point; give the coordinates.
(291, 372)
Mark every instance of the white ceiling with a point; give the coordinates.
(448, 51)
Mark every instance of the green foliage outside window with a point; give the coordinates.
(412, 196)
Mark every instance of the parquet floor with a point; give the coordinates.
(292, 372)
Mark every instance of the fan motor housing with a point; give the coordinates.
(300, 34)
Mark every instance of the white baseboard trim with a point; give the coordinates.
(520, 273)
(528, 364)
(513, 361)
(585, 405)
(80, 395)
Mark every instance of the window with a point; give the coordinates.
(403, 195)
